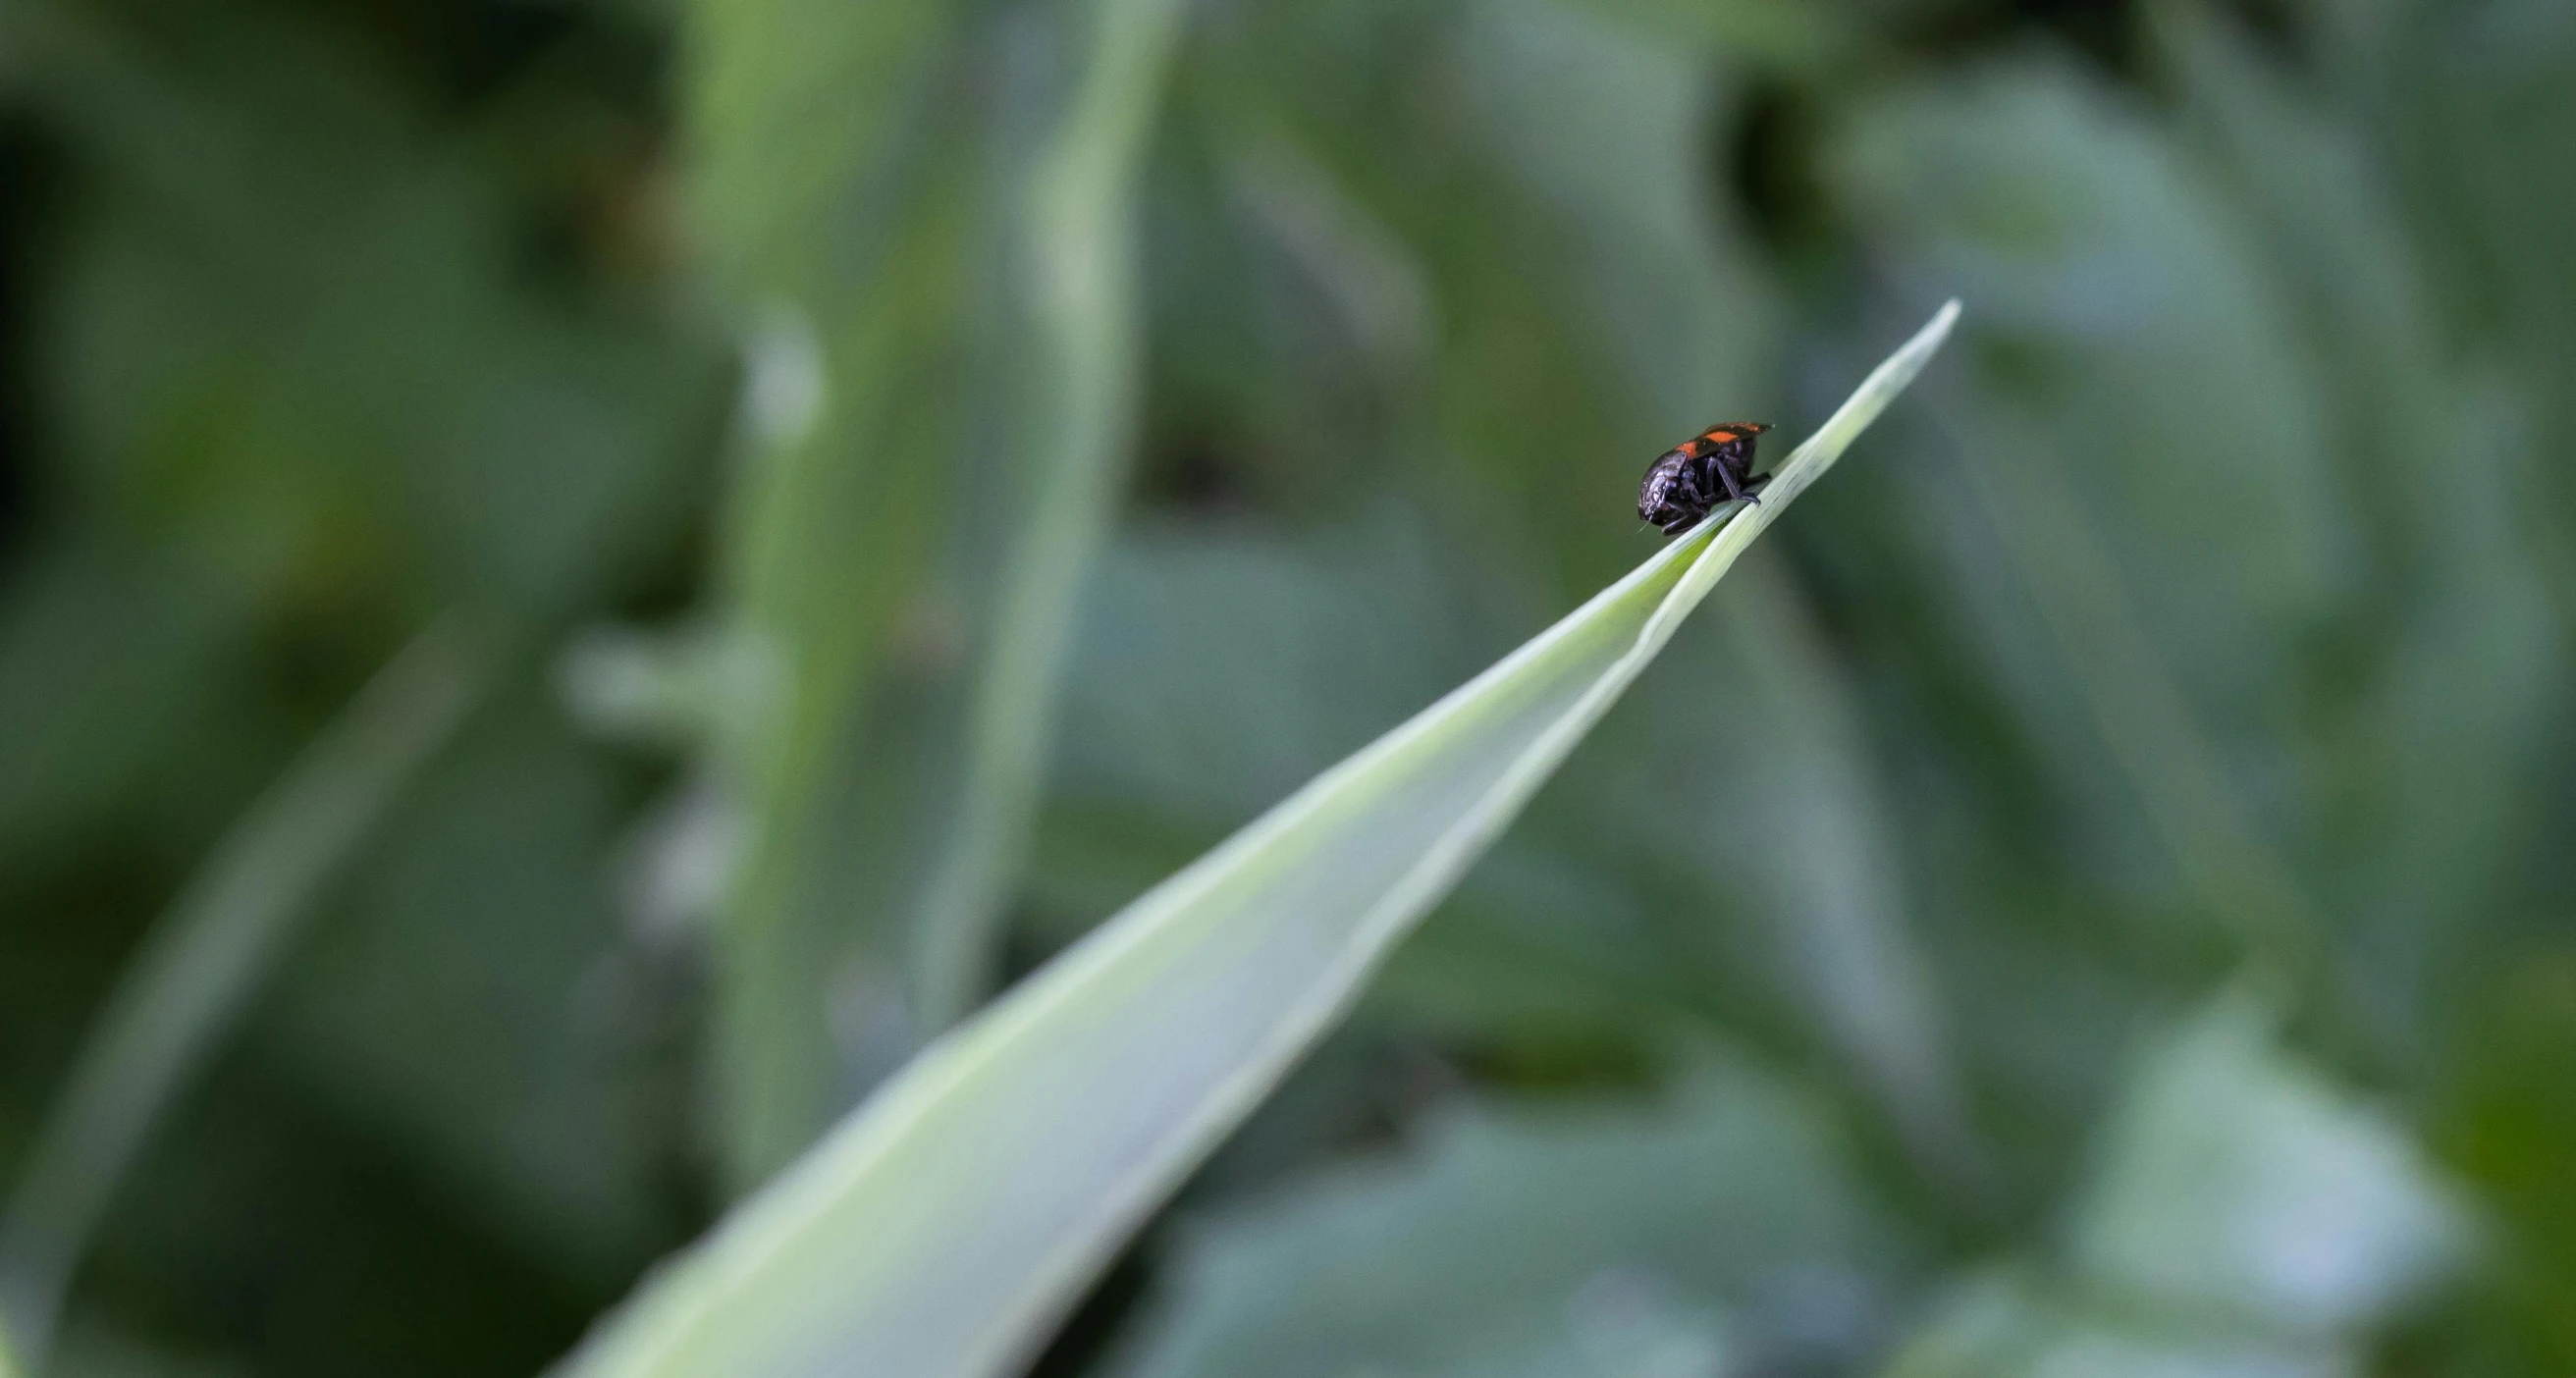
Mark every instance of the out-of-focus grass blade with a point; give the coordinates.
(2205, 515)
(2466, 667)
(1076, 411)
(959, 376)
(940, 1230)
(1818, 846)
(207, 956)
(841, 200)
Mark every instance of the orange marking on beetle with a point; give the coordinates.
(1694, 478)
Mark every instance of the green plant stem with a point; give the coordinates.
(207, 956)
(1078, 250)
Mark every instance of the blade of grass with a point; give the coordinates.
(843, 200)
(837, 529)
(2147, 722)
(941, 1229)
(1079, 410)
(207, 956)
(967, 384)
(1831, 867)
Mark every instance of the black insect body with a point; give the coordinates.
(1686, 481)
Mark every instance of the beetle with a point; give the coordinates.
(1686, 481)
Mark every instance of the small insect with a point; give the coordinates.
(1698, 474)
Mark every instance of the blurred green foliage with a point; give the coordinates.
(2091, 895)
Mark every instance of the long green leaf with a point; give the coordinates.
(208, 955)
(1076, 415)
(841, 197)
(942, 1228)
(886, 789)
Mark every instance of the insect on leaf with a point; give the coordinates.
(943, 1227)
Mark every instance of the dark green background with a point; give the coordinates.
(2202, 618)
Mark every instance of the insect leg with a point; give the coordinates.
(1703, 483)
(1734, 488)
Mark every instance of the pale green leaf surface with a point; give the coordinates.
(2243, 1217)
(2237, 1180)
(944, 1226)
(1725, 1223)
(1217, 673)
